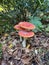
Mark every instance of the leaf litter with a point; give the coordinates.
(14, 54)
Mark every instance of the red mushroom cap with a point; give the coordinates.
(26, 34)
(26, 25)
(17, 27)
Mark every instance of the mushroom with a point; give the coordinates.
(26, 25)
(17, 27)
(24, 31)
(25, 35)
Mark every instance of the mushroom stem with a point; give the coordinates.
(24, 43)
(11, 63)
(20, 38)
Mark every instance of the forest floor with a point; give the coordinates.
(35, 53)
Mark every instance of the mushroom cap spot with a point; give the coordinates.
(27, 25)
(26, 34)
(17, 27)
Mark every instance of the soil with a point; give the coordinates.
(36, 54)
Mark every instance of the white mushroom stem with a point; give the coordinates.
(20, 38)
(11, 63)
(36, 52)
(24, 43)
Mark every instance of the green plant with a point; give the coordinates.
(36, 21)
(47, 28)
(0, 50)
(19, 8)
(15, 11)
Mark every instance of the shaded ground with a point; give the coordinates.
(14, 54)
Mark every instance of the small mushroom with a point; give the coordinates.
(17, 27)
(25, 35)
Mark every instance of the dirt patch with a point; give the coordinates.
(15, 54)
